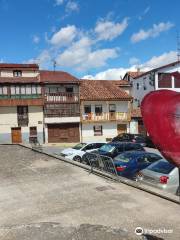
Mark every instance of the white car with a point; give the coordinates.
(75, 153)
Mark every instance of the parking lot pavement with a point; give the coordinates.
(55, 150)
(44, 198)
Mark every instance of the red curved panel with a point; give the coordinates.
(161, 115)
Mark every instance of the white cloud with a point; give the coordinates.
(43, 59)
(146, 10)
(110, 74)
(64, 36)
(152, 32)
(59, 2)
(134, 61)
(108, 30)
(72, 6)
(157, 61)
(117, 73)
(36, 39)
(81, 56)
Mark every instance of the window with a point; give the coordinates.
(164, 80)
(137, 86)
(98, 131)
(17, 73)
(33, 131)
(22, 115)
(22, 110)
(69, 89)
(3, 90)
(25, 89)
(112, 107)
(89, 147)
(142, 160)
(87, 109)
(98, 110)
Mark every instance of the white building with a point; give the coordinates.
(105, 109)
(21, 103)
(164, 77)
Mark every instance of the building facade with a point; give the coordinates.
(164, 77)
(105, 110)
(21, 104)
(56, 107)
(61, 107)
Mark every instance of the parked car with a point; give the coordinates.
(75, 153)
(127, 164)
(112, 149)
(161, 174)
(145, 141)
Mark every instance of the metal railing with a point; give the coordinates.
(106, 116)
(100, 162)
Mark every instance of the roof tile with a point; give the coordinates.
(102, 90)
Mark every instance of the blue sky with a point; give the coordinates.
(93, 38)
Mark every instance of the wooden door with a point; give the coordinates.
(121, 128)
(65, 132)
(16, 135)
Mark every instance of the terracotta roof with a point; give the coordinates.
(101, 90)
(159, 68)
(122, 83)
(19, 80)
(57, 77)
(18, 66)
(134, 74)
(136, 113)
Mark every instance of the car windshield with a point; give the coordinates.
(107, 148)
(123, 158)
(79, 146)
(161, 167)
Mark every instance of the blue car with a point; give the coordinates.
(127, 164)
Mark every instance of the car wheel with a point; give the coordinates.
(77, 159)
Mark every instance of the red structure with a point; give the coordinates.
(161, 116)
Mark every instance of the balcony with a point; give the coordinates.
(112, 116)
(23, 120)
(21, 99)
(20, 96)
(61, 97)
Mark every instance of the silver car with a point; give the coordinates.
(162, 175)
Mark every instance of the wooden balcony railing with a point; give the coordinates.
(117, 116)
(61, 97)
(20, 96)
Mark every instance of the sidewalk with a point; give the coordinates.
(59, 144)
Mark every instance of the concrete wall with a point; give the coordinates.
(109, 131)
(144, 88)
(145, 81)
(9, 73)
(121, 106)
(134, 126)
(8, 120)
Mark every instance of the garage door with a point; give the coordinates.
(59, 133)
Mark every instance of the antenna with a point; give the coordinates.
(54, 64)
(178, 46)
